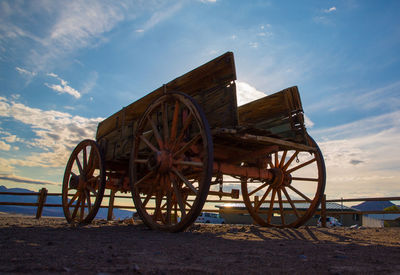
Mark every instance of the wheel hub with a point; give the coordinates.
(161, 161)
(280, 178)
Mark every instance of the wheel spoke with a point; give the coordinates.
(82, 214)
(148, 175)
(87, 193)
(78, 203)
(276, 160)
(157, 210)
(144, 161)
(301, 165)
(304, 179)
(175, 118)
(169, 207)
(156, 133)
(148, 143)
(186, 124)
(165, 121)
(281, 207)
(84, 159)
(179, 197)
(290, 161)
(187, 146)
(78, 163)
(73, 199)
(258, 188)
(291, 202)
(301, 194)
(256, 207)
(185, 180)
(271, 206)
(283, 158)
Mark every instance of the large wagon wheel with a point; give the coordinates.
(84, 183)
(298, 175)
(171, 163)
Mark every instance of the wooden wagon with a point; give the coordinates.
(170, 146)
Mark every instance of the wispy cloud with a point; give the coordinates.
(160, 16)
(14, 178)
(4, 146)
(25, 72)
(246, 93)
(63, 88)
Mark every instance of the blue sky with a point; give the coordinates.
(66, 65)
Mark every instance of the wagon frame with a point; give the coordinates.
(185, 136)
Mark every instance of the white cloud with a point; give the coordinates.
(208, 1)
(63, 88)
(56, 134)
(246, 93)
(25, 72)
(4, 146)
(331, 9)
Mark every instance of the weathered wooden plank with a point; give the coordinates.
(281, 114)
(219, 72)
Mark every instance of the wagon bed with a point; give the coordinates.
(188, 134)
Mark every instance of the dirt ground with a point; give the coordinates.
(51, 246)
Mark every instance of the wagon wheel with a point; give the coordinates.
(298, 175)
(171, 163)
(84, 183)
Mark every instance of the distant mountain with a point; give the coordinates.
(47, 211)
(373, 205)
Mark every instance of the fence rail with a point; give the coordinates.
(43, 194)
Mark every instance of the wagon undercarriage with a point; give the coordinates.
(187, 139)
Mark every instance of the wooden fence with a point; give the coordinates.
(43, 194)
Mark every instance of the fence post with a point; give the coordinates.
(41, 201)
(323, 211)
(111, 205)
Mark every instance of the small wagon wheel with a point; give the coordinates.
(171, 163)
(298, 175)
(84, 183)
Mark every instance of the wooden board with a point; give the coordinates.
(279, 114)
(217, 73)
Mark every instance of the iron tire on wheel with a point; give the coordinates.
(171, 161)
(84, 183)
(298, 174)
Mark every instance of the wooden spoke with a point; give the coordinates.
(78, 163)
(189, 163)
(299, 193)
(175, 118)
(148, 143)
(87, 193)
(291, 202)
(185, 180)
(84, 159)
(169, 207)
(73, 199)
(290, 161)
(304, 179)
(276, 159)
(283, 159)
(186, 124)
(187, 146)
(300, 166)
(77, 205)
(271, 206)
(257, 207)
(281, 207)
(157, 210)
(82, 214)
(179, 197)
(147, 199)
(258, 188)
(164, 112)
(148, 175)
(156, 133)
